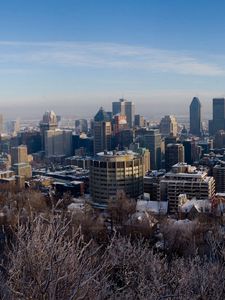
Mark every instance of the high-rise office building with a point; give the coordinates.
(206, 145)
(113, 172)
(170, 140)
(168, 126)
(19, 154)
(13, 126)
(174, 154)
(192, 151)
(126, 108)
(219, 176)
(82, 142)
(118, 107)
(81, 125)
(32, 139)
(195, 117)
(58, 142)
(219, 139)
(139, 121)
(49, 122)
(218, 121)
(119, 123)
(102, 136)
(145, 153)
(102, 129)
(19, 160)
(153, 142)
(123, 139)
(102, 116)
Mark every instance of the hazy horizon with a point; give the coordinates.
(154, 106)
(75, 56)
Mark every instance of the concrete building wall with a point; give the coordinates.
(111, 173)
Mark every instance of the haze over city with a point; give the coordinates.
(72, 56)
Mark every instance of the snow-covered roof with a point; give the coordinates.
(200, 205)
(152, 206)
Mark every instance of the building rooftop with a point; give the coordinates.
(116, 155)
(183, 177)
(200, 205)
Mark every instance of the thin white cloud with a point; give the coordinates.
(107, 55)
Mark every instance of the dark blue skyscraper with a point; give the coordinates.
(195, 117)
(218, 114)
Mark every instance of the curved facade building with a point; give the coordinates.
(111, 172)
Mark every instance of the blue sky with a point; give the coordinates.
(75, 55)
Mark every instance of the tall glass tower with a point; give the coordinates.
(218, 114)
(195, 117)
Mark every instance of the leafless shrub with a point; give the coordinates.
(49, 263)
(56, 256)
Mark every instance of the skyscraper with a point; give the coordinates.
(174, 154)
(102, 136)
(102, 131)
(153, 142)
(192, 152)
(124, 107)
(119, 123)
(19, 155)
(81, 125)
(195, 117)
(20, 164)
(139, 121)
(218, 121)
(168, 126)
(49, 122)
(58, 142)
(219, 176)
(219, 139)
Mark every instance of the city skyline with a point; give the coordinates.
(78, 55)
(112, 149)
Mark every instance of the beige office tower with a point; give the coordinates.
(19, 159)
(102, 136)
(168, 126)
(49, 122)
(146, 159)
(185, 179)
(23, 170)
(19, 154)
(145, 153)
(113, 172)
(58, 142)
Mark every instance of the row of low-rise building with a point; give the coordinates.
(111, 172)
(182, 179)
(185, 179)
